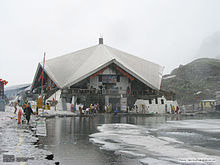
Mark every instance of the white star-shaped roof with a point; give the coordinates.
(69, 69)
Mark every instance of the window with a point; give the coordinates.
(109, 79)
(156, 101)
(118, 78)
(100, 78)
(162, 101)
(150, 101)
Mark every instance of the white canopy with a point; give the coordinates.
(69, 69)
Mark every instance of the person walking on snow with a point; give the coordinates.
(15, 106)
(28, 111)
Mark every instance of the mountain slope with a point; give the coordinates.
(196, 80)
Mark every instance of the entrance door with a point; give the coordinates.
(115, 102)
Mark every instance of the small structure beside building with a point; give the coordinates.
(2, 94)
(208, 105)
(158, 105)
(12, 91)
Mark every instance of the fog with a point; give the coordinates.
(167, 32)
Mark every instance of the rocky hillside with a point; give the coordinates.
(196, 80)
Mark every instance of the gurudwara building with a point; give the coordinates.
(100, 74)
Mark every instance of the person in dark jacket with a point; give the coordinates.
(28, 111)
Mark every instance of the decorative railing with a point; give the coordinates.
(110, 91)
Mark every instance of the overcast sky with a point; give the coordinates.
(167, 32)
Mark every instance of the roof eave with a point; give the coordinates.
(135, 75)
(51, 76)
(105, 65)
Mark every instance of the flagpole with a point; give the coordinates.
(42, 80)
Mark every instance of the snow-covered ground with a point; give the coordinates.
(57, 112)
(17, 142)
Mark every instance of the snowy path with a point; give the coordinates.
(17, 142)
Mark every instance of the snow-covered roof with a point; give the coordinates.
(208, 100)
(17, 87)
(71, 68)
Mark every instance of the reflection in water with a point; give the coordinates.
(68, 137)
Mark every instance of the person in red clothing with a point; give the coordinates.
(177, 109)
(28, 111)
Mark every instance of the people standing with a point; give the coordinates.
(80, 110)
(136, 108)
(87, 111)
(143, 109)
(165, 108)
(97, 108)
(116, 111)
(28, 111)
(177, 109)
(173, 109)
(105, 109)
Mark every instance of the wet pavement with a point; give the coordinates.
(122, 139)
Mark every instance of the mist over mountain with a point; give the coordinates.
(199, 79)
(210, 47)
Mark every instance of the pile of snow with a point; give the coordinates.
(169, 77)
(136, 141)
(5, 117)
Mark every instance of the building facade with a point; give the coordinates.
(100, 74)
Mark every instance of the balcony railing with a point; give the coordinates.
(111, 92)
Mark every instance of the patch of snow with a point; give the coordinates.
(198, 92)
(206, 125)
(129, 153)
(122, 137)
(171, 140)
(169, 77)
(153, 161)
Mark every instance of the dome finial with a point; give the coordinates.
(101, 39)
